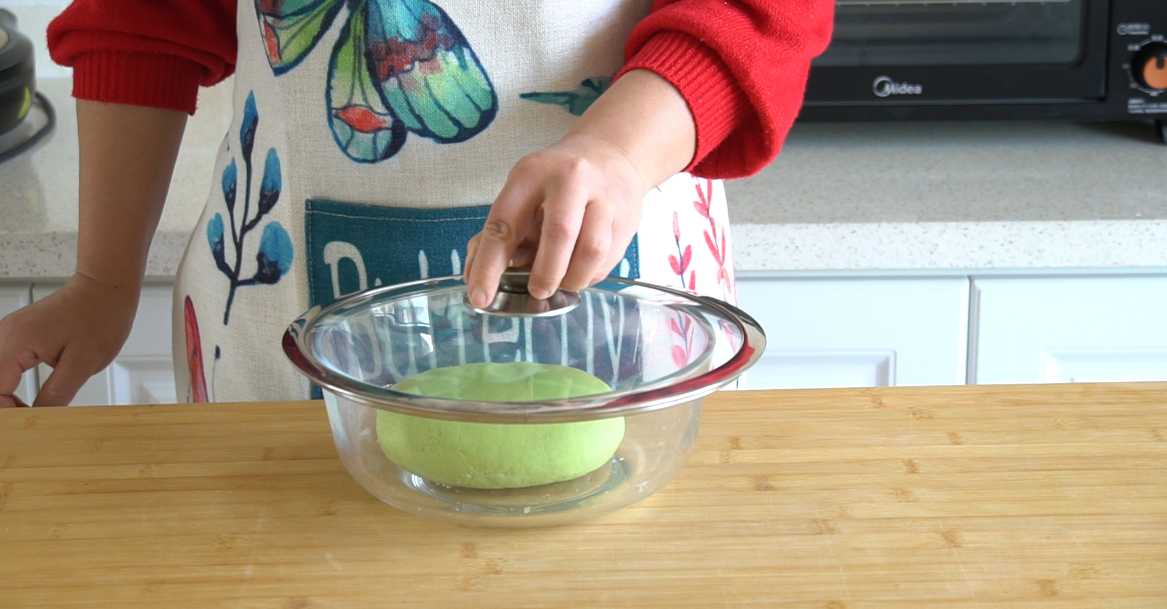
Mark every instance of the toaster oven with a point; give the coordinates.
(993, 59)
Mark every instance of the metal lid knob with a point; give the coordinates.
(514, 300)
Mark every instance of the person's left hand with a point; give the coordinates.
(568, 211)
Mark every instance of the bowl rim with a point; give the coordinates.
(649, 397)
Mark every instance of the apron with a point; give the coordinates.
(368, 140)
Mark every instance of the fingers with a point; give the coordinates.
(606, 268)
(67, 377)
(471, 249)
(558, 214)
(622, 230)
(12, 368)
(592, 249)
(563, 215)
(10, 373)
(490, 259)
(611, 259)
(495, 245)
(522, 258)
(524, 255)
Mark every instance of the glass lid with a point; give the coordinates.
(619, 347)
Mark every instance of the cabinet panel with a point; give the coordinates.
(137, 379)
(11, 299)
(808, 370)
(858, 332)
(1073, 329)
(143, 372)
(1102, 366)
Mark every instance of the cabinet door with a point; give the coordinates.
(143, 373)
(11, 299)
(1070, 329)
(858, 332)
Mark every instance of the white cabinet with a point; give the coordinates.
(1072, 329)
(832, 331)
(143, 372)
(858, 332)
(11, 299)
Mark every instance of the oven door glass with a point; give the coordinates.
(964, 50)
(960, 32)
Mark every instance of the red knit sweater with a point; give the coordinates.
(740, 65)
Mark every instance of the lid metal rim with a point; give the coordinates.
(654, 396)
(548, 411)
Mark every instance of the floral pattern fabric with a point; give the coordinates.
(320, 84)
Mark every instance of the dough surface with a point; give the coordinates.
(499, 456)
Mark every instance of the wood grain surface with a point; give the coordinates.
(968, 497)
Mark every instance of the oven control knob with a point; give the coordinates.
(1150, 66)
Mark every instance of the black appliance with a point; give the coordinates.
(993, 59)
(19, 129)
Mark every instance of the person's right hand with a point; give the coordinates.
(77, 330)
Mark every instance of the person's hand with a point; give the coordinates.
(568, 211)
(77, 330)
(127, 156)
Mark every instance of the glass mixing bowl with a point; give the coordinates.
(525, 413)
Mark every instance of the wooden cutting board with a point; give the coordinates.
(969, 498)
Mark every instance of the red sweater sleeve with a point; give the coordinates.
(740, 65)
(146, 52)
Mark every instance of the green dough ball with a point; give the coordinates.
(499, 456)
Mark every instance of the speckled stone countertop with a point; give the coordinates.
(957, 196)
(38, 193)
(867, 197)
